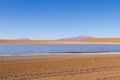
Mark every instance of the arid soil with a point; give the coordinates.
(95, 67)
(90, 41)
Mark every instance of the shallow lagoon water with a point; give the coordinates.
(38, 49)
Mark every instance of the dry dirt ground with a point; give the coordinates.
(105, 67)
(89, 41)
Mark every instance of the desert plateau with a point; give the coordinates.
(60, 67)
(47, 42)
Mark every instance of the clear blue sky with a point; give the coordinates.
(53, 19)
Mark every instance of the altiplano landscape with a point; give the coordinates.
(61, 66)
(59, 39)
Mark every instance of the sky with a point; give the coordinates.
(55, 19)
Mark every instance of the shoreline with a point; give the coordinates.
(55, 56)
(63, 53)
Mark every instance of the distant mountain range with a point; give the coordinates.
(23, 39)
(81, 37)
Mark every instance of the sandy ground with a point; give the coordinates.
(90, 41)
(60, 67)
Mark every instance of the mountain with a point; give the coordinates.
(81, 37)
(23, 39)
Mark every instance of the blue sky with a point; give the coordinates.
(54, 19)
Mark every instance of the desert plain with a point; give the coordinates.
(62, 42)
(60, 67)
